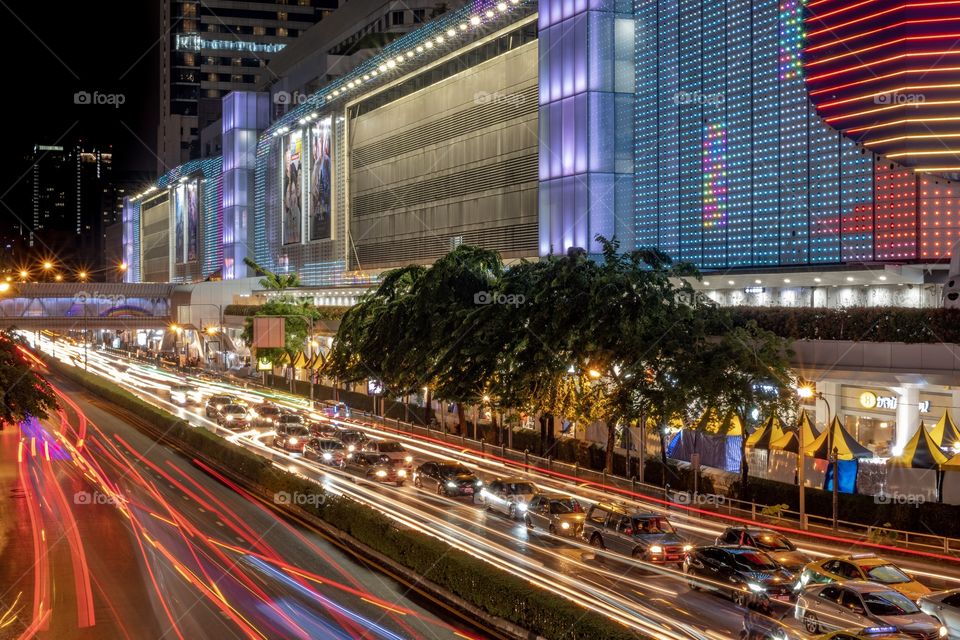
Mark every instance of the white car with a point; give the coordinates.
(509, 496)
(392, 449)
(945, 607)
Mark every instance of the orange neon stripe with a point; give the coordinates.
(877, 62)
(887, 108)
(879, 13)
(947, 168)
(901, 121)
(842, 9)
(883, 77)
(919, 136)
(880, 46)
(865, 96)
(863, 34)
(903, 154)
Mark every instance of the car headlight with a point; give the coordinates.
(402, 473)
(229, 417)
(564, 525)
(522, 506)
(687, 548)
(756, 588)
(408, 459)
(328, 456)
(381, 474)
(479, 483)
(804, 578)
(292, 440)
(351, 448)
(943, 632)
(656, 549)
(452, 484)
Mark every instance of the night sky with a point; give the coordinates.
(56, 49)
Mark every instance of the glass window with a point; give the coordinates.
(851, 601)
(755, 560)
(887, 574)
(773, 542)
(952, 601)
(396, 18)
(645, 526)
(391, 447)
(565, 505)
(831, 593)
(598, 515)
(418, 15)
(889, 603)
(848, 571)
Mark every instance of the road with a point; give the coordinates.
(134, 541)
(653, 599)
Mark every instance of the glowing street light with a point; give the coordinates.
(122, 266)
(24, 274)
(4, 287)
(82, 275)
(47, 265)
(58, 278)
(805, 392)
(593, 373)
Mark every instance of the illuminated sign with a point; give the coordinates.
(264, 364)
(868, 400)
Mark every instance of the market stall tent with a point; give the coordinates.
(915, 472)
(715, 439)
(945, 433)
(758, 446)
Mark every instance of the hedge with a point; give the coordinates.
(496, 592)
(870, 324)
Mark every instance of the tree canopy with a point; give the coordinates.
(23, 392)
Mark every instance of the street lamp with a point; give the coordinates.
(806, 392)
(177, 330)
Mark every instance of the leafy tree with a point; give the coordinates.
(747, 368)
(273, 281)
(298, 319)
(23, 392)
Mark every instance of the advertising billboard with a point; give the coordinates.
(179, 213)
(292, 196)
(320, 180)
(193, 221)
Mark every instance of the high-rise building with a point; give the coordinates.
(211, 48)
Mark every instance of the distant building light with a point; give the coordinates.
(196, 42)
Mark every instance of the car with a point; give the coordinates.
(768, 541)
(629, 531)
(509, 496)
(184, 394)
(945, 607)
(291, 437)
(866, 633)
(267, 415)
(334, 409)
(446, 478)
(856, 603)
(764, 620)
(216, 403)
(862, 566)
(376, 467)
(745, 574)
(354, 439)
(391, 449)
(325, 451)
(289, 419)
(234, 417)
(556, 514)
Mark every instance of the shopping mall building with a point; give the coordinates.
(800, 153)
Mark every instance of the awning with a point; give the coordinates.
(300, 360)
(770, 431)
(847, 447)
(945, 433)
(806, 432)
(920, 452)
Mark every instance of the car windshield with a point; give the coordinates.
(453, 470)
(234, 408)
(755, 561)
(773, 542)
(391, 447)
(520, 487)
(331, 444)
(652, 525)
(887, 574)
(889, 603)
(565, 505)
(297, 431)
(291, 418)
(269, 411)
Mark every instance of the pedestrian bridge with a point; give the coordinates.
(86, 306)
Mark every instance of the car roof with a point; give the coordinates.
(556, 496)
(514, 480)
(626, 509)
(862, 586)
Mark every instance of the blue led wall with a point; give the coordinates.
(733, 167)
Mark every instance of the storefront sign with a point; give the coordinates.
(870, 400)
(264, 364)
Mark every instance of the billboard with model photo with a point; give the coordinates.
(320, 180)
(292, 189)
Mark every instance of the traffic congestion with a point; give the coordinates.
(663, 571)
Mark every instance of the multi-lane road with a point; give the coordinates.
(652, 599)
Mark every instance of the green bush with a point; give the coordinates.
(496, 592)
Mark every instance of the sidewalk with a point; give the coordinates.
(16, 539)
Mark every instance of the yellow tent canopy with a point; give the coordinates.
(920, 452)
(770, 431)
(953, 464)
(299, 360)
(846, 445)
(945, 433)
(806, 432)
(729, 425)
(788, 442)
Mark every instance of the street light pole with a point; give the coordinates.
(807, 392)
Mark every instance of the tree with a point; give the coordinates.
(273, 281)
(298, 319)
(23, 393)
(748, 369)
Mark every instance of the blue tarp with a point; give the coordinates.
(734, 457)
(847, 475)
(719, 452)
